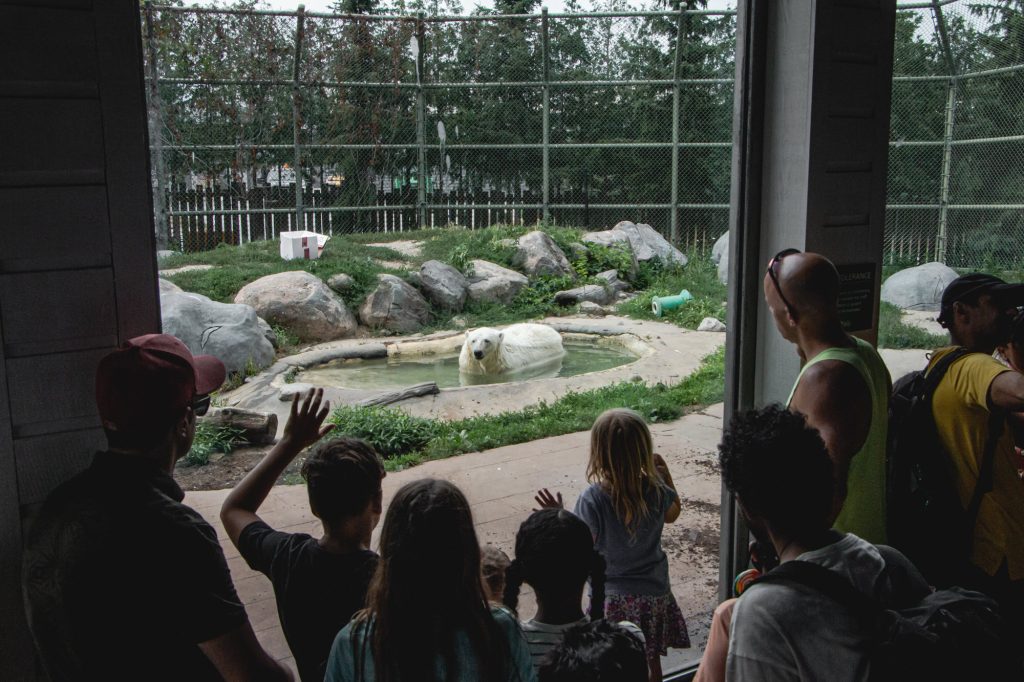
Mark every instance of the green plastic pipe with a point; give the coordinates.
(661, 304)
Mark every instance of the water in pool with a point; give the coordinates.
(580, 358)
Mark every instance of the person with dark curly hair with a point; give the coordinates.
(319, 583)
(555, 556)
(778, 468)
(597, 651)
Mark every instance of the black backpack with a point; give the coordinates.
(924, 516)
(951, 634)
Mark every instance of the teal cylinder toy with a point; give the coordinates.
(660, 304)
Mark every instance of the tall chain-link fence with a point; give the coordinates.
(264, 121)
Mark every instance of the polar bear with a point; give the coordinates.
(488, 351)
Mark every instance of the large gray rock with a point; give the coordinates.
(301, 303)
(538, 254)
(588, 292)
(723, 267)
(341, 282)
(918, 288)
(720, 248)
(615, 240)
(231, 332)
(443, 285)
(492, 283)
(396, 306)
(610, 278)
(167, 286)
(648, 244)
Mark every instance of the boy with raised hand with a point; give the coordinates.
(318, 583)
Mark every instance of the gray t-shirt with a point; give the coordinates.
(783, 632)
(636, 565)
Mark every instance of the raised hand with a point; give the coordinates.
(548, 501)
(305, 424)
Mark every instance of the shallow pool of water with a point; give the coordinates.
(399, 372)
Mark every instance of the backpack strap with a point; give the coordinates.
(827, 582)
(938, 372)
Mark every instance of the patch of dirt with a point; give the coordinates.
(225, 471)
(407, 247)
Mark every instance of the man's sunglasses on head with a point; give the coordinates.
(773, 273)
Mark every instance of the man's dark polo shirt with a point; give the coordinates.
(122, 581)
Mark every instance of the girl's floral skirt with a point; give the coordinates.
(659, 617)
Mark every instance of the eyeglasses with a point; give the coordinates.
(773, 266)
(200, 404)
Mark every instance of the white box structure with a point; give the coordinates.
(302, 244)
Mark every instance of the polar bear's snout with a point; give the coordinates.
(478, 354)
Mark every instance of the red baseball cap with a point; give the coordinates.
(145, 385)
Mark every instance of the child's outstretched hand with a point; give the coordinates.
(661, 466)
(305, 423)
(548, 501)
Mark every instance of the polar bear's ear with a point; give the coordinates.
(501, 335)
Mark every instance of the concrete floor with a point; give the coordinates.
(500, 485)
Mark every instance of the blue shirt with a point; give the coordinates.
(341, 664)
(636, 565)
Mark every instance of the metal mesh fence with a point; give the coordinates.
(269, 121)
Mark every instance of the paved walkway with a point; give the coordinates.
(500, 485)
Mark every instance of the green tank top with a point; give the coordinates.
(863, 512)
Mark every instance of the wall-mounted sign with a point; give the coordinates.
(856, 295)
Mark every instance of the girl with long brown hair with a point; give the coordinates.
(427, 617)
(630, 499)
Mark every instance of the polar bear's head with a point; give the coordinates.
(484, 341)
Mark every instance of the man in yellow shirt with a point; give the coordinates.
(978, 310)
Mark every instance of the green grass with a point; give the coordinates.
(209, 440)
(699, 277)
(405, 441)
(893, 332)
(239, 265)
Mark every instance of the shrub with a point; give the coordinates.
(392, 432)
(210, 439)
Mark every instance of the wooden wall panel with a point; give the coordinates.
(77, 261)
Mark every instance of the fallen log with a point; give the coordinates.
(429, 388)
(257, 428)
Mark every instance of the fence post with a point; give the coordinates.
(947, 132)
(421, 160)
(156, 130)
(300, 30)
(546, 165)
(673, 216)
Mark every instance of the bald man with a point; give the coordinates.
(843, 387)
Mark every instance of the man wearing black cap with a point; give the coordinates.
(978, 311)
(121, 580)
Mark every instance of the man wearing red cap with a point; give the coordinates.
(121, 580)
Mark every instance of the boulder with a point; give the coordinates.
(538, 254)
(648, 244)
(723, 267)
(720, 248)
(588, 292)
(443, 285)
(492, 283)
(163, 254)
(341, 282)
(711, 324)
(918, 288)
(615, 240)
(268, 332)
(301, 303)
(228, 331)
(396, 306)
(167, 286)
(611, 280)
(578, 251)
(592, 309)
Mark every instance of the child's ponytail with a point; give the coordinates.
(597, 577)
(513, 582)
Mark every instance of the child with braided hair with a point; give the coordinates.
(555, 556)
(629, 501)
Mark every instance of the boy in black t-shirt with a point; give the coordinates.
(318, 584)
